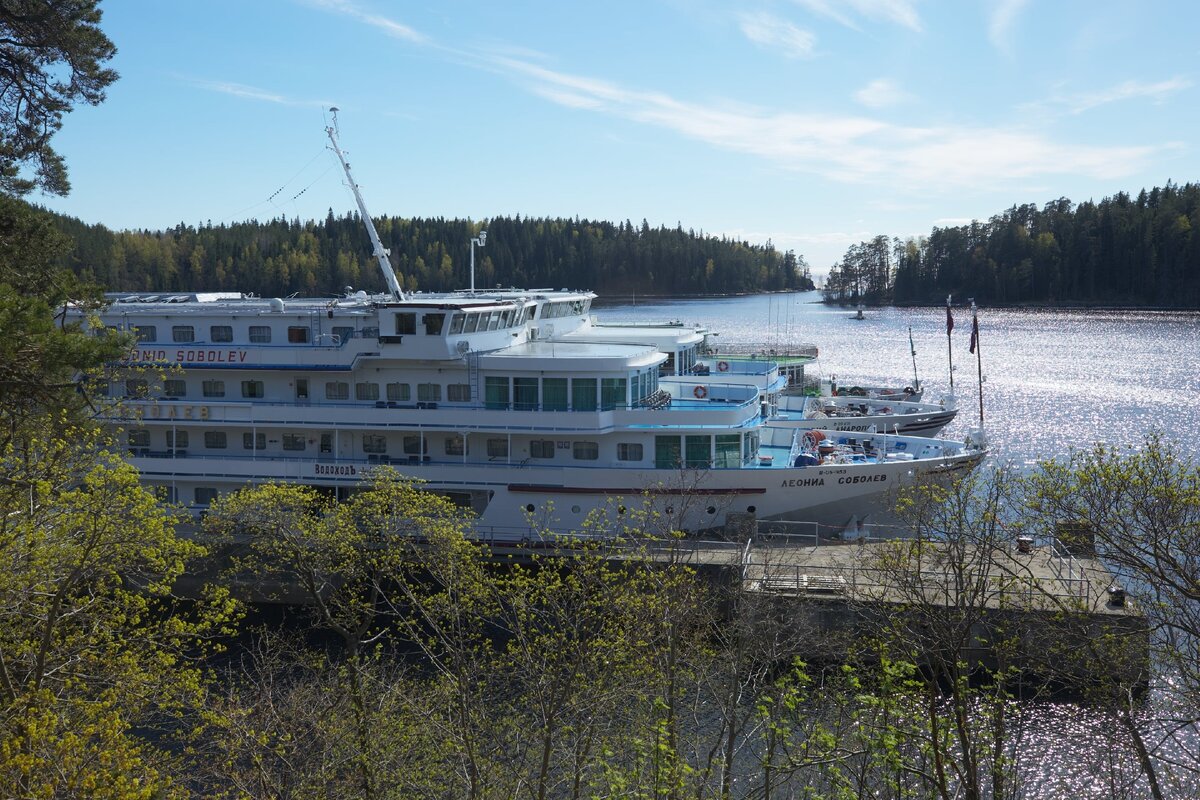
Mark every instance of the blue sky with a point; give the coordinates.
(814, 124)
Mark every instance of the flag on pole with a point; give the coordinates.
(974, 332)
(949, 317)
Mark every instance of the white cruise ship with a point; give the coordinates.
(500, 399)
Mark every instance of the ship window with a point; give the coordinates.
(183, 333)
(374, 443)
(667, 452)
(413, 445)
(399, 392)
(495, 392)
(699, 451)
(136, 387)
(525, 394)
(252, 389)
(456, 446)
(586, 451)
(205, 496)
(541, 448)
(337, 390)
(406, 323)
(254, 441)
(213, 388)
(471, 323)
(493, 320)
(294, 441)
(343, 334)
(613, 393)
(433, 324)
(177, 439)
(297, 334)
(215, 440)
(326, 445)
(366, 391)
(221, 333)
(146, 333)
(751, 446)
(629, 451)
(554, 394)
(729, 449)
(139, 438)
(174, 387)
(429, 392)
(456, 323)
(506, 320)
(583, 394)
(458, 392)
(260, 334)
(497, 448)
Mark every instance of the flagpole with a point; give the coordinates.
(949, 347)
(913, 348)
(978, 350)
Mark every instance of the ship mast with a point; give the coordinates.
(381, 253)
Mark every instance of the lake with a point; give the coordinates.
(1053, 379)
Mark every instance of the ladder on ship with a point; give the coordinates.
(473, 374)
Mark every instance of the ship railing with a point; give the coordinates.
(937, 587)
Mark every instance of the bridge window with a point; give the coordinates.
(525, 394)
(554, 394)
(614, 393)
(583, 394)
(433, 324)
(456, 323)
(406, 324)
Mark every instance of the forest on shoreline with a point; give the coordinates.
(1122, 251)
(281, 257)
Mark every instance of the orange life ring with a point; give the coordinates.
(722, 366)
(813, 438)
(700, 392)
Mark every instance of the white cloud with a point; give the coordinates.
(1127, 90)
(771, 31)
(253, 93)
(396, 30)
(881, 93)
(1000, 22)
(846, 148)
(844, 12)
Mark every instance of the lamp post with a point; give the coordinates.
(480, 240)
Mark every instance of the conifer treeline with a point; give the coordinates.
(281, 257)
(1120, 251)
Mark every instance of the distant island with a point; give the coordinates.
(281, 257)
(1121, 251)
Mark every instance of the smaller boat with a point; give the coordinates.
(862, 414)
(858, 314)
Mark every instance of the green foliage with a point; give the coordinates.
(51, 57)
(1118, 251)
(281, 257)
(92, 643)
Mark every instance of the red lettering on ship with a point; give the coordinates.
(191, 356)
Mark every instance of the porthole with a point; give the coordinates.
(529, 508)
(712, 509)
(670, 509)
(620, 509)
(751, 509)
(574, 509)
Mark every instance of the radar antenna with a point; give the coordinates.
(381, 253)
